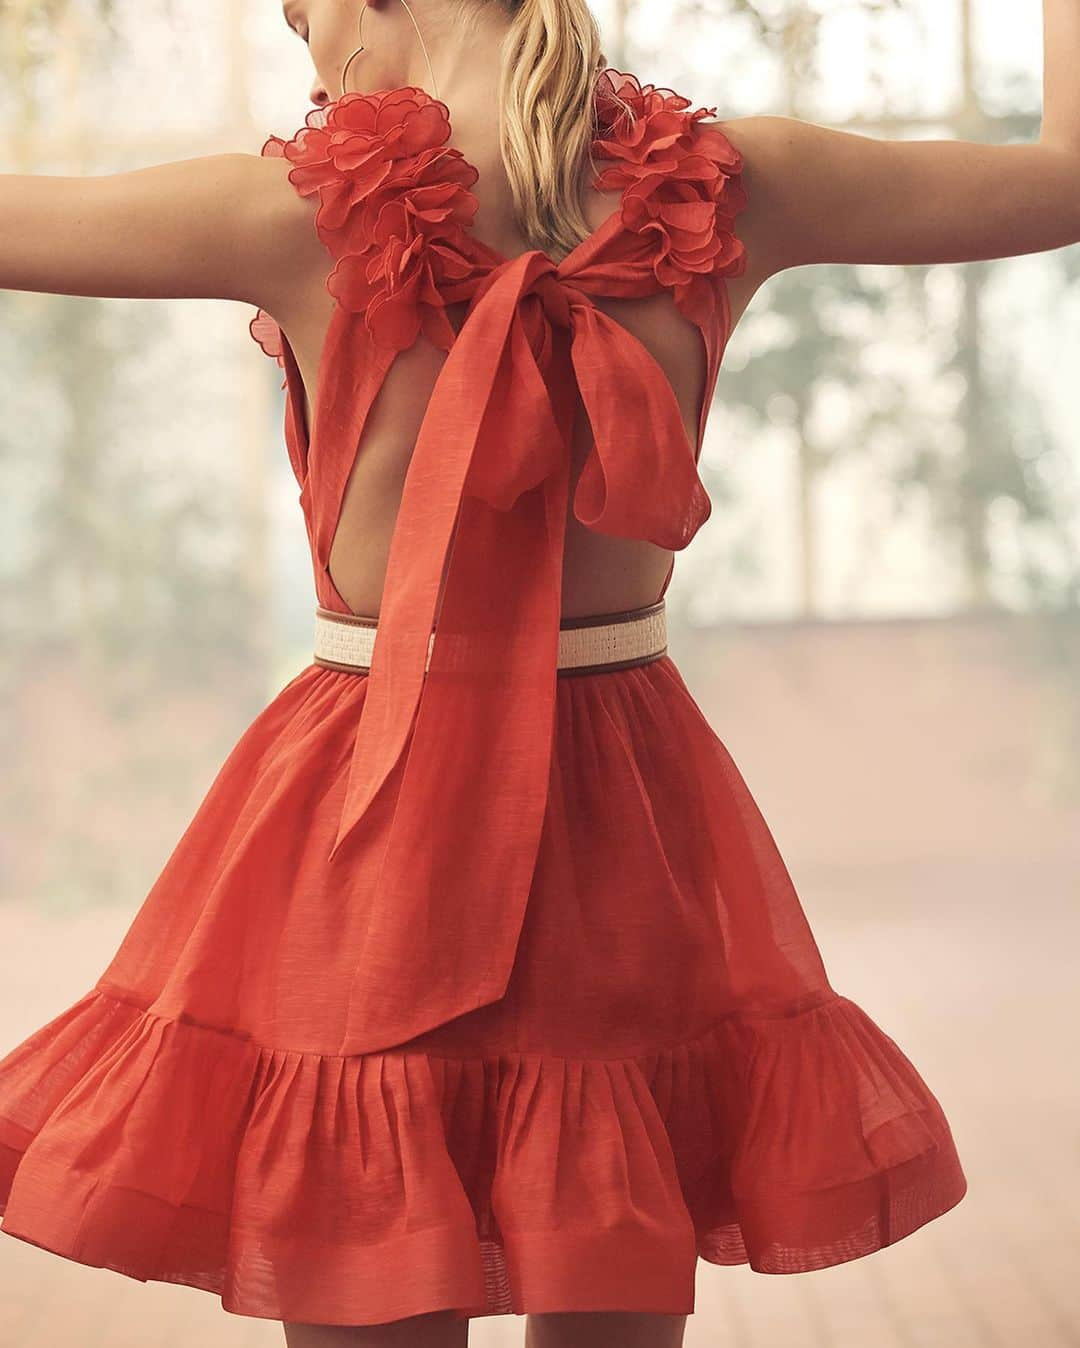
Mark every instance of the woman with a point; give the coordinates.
(477, 984)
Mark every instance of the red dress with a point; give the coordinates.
(481, 989)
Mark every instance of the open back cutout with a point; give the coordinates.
(601, 572)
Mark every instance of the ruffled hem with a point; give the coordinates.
(362, 1189)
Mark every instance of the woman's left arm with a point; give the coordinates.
(224, 226)
(816, 194)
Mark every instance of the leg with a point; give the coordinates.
(439, 1329)
(604, 1329)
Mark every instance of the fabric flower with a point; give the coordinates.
(680, 181)
(394, 207)
(267, 333)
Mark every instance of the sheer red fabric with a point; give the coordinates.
(494, 975)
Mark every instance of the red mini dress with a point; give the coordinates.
(477, 986)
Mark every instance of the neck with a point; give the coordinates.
(465, 50)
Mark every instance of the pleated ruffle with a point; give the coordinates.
(361, 1189)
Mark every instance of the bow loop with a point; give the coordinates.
(640, 479)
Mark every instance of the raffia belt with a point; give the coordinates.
(599, 641)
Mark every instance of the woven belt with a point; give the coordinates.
(598, 641)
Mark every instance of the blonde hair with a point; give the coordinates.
(551, 57)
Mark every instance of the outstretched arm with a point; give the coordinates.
(823, 195)
(225, 226)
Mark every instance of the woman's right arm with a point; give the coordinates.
(816, 194)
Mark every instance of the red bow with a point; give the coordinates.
(485, 498)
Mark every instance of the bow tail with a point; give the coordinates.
(462, 842)
(447, 446)
(468, 743)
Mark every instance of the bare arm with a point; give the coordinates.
(821, 195)
(225, 226)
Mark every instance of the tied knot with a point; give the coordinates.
(524, 436)
(544, 297)
(544, 309)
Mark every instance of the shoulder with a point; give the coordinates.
(770, 147)
(270, 199)
(243, 203)
(654, 126)
(764, 148)
(787, 165)
(680, 174)
(281, 247)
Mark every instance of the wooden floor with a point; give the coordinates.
(971, 971)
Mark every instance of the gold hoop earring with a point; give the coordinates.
(352, 55)
(359, 49)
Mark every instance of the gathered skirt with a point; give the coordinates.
(669, 1076)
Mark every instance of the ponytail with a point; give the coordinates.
(551, 58)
